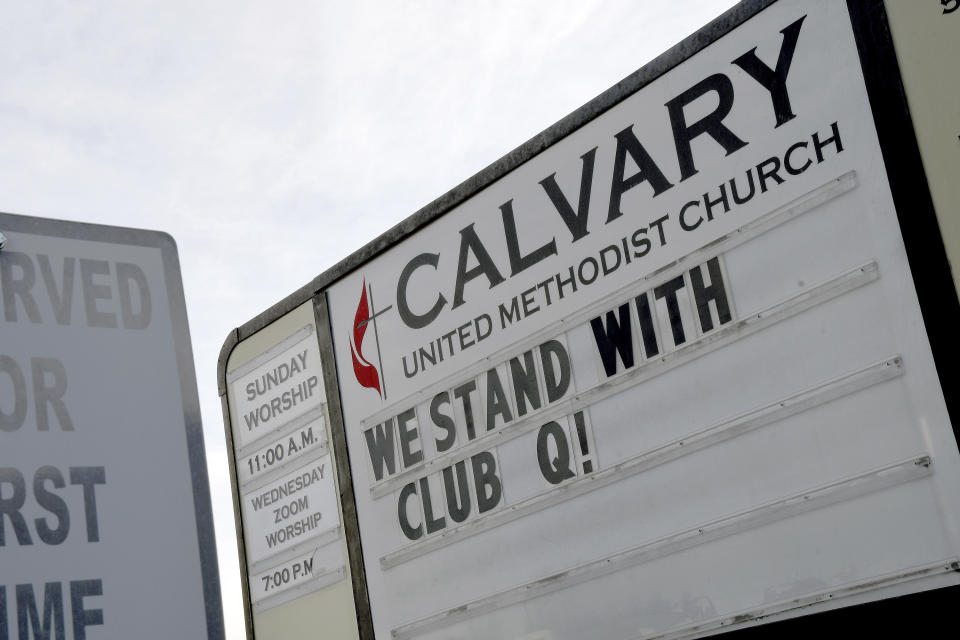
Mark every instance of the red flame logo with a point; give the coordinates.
(365, 372)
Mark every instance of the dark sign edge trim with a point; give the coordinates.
(910, 191)
(338, 448)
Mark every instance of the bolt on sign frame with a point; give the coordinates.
(675, 367)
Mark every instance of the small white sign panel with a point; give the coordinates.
(294, 509)
(300, 575)
(287, 385)
(283, 577)
(105, 524)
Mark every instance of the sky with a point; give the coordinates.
(271, 140)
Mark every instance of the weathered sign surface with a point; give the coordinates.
(105, 522)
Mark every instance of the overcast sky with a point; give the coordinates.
(273, 139)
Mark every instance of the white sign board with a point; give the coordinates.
(667, 376)
(308, 439)
(283, 514)
(283, 384)
(105, 523)
(303, 570)
(284, 471)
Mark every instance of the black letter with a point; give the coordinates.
(52, 395)
(647, 330)
(555, 387)
(525, 385)
(127, 273)
(93, 292)
(518, 262)
(433, 524)
(445, 422)
(704, 294)
(773, 164)
(668, 290)
(497, 402)
(648, 171)
(775, 80)
(61, 301)
(14, 420)
(383, 453)
(576, 221)
(835, 139)
(711, 124)
(484, 477)
(52, 503)
(83, 618)
(12, 505)
(28, 618)
(616, 337)
(409, 318)
(795, 171)
(88, 477)
(462, 393)
(469, 241)
(558, 469)
(412, 533)
(407, 437)
(457, 507)
(19, 287)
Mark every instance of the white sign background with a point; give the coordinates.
(692, 540)
(295, 552)
(315, 502)
(131, 397)
(281, 453)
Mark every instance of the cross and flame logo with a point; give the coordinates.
(367, 374)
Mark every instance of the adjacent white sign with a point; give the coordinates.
(278, 387)
(304, 571)
(290, 511)
(307, 440)
(105, 523)
(667, 375)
